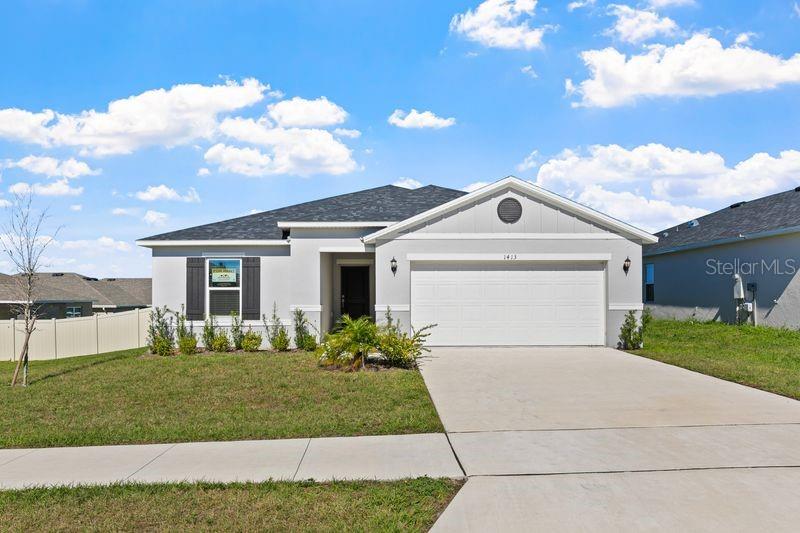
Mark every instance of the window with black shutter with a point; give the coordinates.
(195, 288)
(224, 286)
(251, 288)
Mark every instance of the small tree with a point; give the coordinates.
(24, 245)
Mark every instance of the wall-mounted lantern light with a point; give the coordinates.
(626, 265)
(393, 264)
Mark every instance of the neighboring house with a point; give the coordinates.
(70, 295)
(509, 264)
(690, 271)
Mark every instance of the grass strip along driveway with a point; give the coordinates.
(764, 358)
(411, 505)
(127, 397)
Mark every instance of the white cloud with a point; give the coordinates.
(343, 132)
(500, 24)
(644, 213)
(59, 187)
(796, 9)
(163, 117)
(103, 243)
(203, 171)
(4, 203)
(638, 25)
(155, 218)
(671, 173)
(76, 207)
(660, 4)
(744, 39)
(52, 167)
(416, 119)
(299, 112)
(475, 186)
(124, 211)
(528, 71)
(572, 6)
(162, 192)
(530, 161)
(407, 183)
(291, 150)
(701, 66)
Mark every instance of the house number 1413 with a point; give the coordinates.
(510, 257)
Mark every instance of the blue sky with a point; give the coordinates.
(130, 119)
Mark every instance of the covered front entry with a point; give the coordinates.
(503, 303)
(347, 286)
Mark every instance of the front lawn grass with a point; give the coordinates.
(764, 358)
(128, 397)
(411, 505)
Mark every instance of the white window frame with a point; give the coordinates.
(222, 319)
(78, 307)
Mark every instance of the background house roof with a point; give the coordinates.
(72, 287)
(768, 214)
(387, 203)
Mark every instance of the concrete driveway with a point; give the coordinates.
(593, 438)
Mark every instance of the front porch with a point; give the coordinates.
(347, 286)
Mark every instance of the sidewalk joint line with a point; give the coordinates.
(756, 424)
(150, 461)
(296, 470)
(455, 455)
(33, 450)
(643, 471)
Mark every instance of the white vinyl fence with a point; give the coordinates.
(68, 337)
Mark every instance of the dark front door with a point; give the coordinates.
(355, 291)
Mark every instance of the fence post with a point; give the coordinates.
(55, 339)
(138, 327)
(13, 339)
(96, 333)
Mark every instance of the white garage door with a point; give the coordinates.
(509, 304)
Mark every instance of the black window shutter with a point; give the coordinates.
(251, 288)
(195, 288)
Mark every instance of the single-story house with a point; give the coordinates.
(71, 295)
(508, 264)
(690, 271)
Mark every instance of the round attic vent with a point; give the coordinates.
(509, 210)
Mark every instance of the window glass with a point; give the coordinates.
(223, 273)
(73, 312)
(223, 303)
(649, 282)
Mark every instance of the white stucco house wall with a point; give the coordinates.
(509, 264)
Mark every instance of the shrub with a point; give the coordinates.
(209, 332)
(351, 344)
(398, 348)
(237, 334)
(303, 338)
(631, 334)
(277, 335)
(161, 346)
(187, 345)
(220, 342)
(160, 339)
(251, 341)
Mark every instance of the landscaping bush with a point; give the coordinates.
(237, 334)
(187, 345)
(399, 349)
(160, 339)
(277, 335)
(220, 342)
(351, 344)
(251, 341)
(631, 334)
(303, 338)
(209, 332)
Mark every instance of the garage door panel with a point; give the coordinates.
(509, 304)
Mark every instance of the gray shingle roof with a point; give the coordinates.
(771, 213)
(72, 287)
(387, 203)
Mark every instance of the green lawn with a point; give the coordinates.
(765, 358)
(127, 397)
(411, 505)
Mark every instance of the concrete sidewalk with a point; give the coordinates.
(323, 459)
